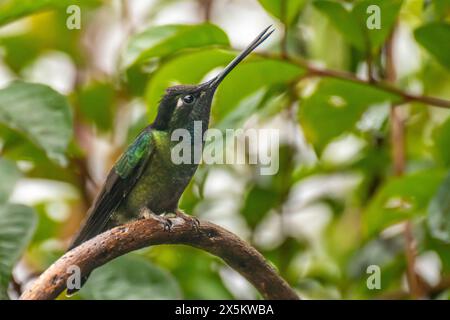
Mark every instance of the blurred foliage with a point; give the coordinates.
(133, 278)
(70, 102)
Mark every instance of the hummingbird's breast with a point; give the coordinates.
(162, 182)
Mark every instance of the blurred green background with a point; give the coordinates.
(360, 182)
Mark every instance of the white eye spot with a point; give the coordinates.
(179, 102)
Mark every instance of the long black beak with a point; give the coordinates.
(214, 83)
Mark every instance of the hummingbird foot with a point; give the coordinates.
(193, 221)
(146, 213)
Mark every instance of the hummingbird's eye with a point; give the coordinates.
(188, 99)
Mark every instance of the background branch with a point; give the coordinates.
(146, 232)
(313, 71)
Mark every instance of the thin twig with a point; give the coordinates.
(399, 159)
(410, 254)
(406, 96)
(146, 232)
(313, 71)
(206, 6)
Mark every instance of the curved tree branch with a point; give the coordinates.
(146, 232)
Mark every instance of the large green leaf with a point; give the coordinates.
(11, 10)
(163, 40)
(9, 174)
(401, 198)
(17, 224)
(250, 77)
(353, 24)
(130, 278)
(188, 68)
(40, 113)
(335, 107)
(285, 10)
(435, 38)
(439, 212)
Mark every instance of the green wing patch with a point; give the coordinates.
(134, 154)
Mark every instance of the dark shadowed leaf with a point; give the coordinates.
(442, 141)
(130, 277)
(435, 38)
(271, 194)
(441, 8)
(17, 224)
(439, 212)
(379, 251)
(96, 103)
(163, 40)
(40, 113)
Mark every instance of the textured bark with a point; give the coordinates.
(147, 232)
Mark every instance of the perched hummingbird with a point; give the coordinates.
(145, 180)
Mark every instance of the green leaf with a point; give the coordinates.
(164, 40)
(343, 21)
(130, 277)
(9, 174)
(273, 191)
(401, 198)
(286, 14)
(435, 38)
(439, 212)
(96, 103)
(442, 141)
(363, 13)
(335, 107)
(189, 68)
(250, 77)
(353, 24)
(258, 202)
(11, 10)
(41, 114)
(441, 8)
(17, 224)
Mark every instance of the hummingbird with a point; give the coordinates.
(144, 180)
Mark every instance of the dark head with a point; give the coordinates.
(184, 104)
